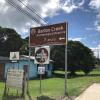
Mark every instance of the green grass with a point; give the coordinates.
(54, 87)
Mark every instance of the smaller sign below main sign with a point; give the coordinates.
(14, 55)
(42, 55)
(41, 70)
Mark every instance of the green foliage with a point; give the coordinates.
(24, 50)
(58, 56)
(54, 87)
(79, 57)
(10, 40)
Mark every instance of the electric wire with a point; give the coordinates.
(33, 10)
(15, 5)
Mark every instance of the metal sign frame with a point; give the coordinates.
(65, 85)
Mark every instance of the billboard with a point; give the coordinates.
(42, 55)
(15, 78)
(48, 35)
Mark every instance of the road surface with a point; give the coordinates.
(91, 93)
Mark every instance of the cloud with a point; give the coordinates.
(76, 39)
(95, 4)
(89, 28)
(70, 5)
(12, 18)
(97, 25)
(96, 51)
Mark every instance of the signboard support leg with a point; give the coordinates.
(65, 69)
(28, 70)
(40, 83)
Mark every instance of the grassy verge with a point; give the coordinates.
(54, 87)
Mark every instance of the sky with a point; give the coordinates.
(83, 17)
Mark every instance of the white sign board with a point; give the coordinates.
(42, 55)
(15, 78)
(14, 55)
(41, 70)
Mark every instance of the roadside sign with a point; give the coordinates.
(14, 55)
(42, 55)
(48, 35)
(41, 70)
(15, 78)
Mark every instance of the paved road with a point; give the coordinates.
(91, 93)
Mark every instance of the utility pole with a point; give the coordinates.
(96, 53)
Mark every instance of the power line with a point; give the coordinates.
(15, 5)
(33, 10)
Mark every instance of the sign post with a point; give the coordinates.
(50, 35)
(41, 71)
(65, 69)
(42, 56)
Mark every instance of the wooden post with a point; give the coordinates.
(40, 83)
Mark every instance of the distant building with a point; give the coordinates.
(22, 63)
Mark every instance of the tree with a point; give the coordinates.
(80, 57)
(10, 40)
(24, 50)
(58, 56)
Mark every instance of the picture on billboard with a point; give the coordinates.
(42, 55)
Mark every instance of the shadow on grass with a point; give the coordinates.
(58, 75)
(44, 98)
(11, 97)
(69, 76)
(17, 96)
(2, 80)
(29, 96)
